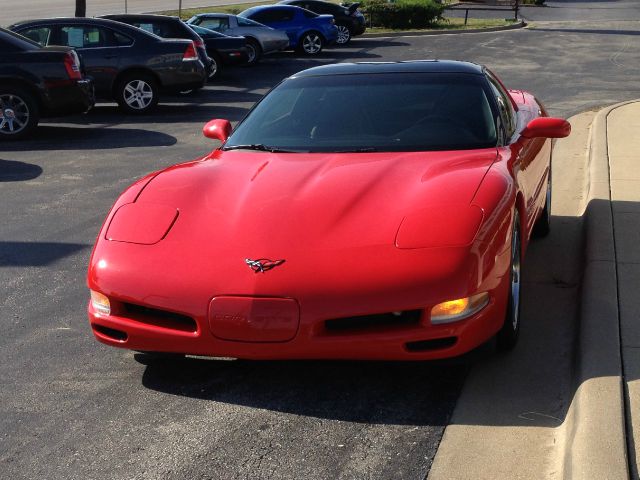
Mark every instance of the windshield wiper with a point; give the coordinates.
(258, 146)
(358, 150)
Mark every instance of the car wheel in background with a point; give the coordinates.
(543, 225)
(137, 93)
(18, 113)
(344, 35)
(216, 67)
(311, 43)
(254, 51)
(508, 335)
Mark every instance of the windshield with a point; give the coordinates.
(371, 112)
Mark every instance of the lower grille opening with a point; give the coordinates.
(364, 322)
(434, 344)
(111, 333)
(160, 318)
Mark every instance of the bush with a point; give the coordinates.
(403, 14)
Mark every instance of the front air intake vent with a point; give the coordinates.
(433, 344)
(367, 322)
(110, 333)
(160, 318)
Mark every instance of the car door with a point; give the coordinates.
(281, 18)
(98, 48)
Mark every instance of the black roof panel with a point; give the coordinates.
(415, 66)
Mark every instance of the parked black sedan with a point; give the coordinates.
(349, 20)
(38, 81)
(214, 52)
(224, 49)
(127, 64)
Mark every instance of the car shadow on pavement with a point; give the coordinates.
(536, 375)
(362, 392)
(63, 137)
(36, 254)
(191, 109)
(12, 171)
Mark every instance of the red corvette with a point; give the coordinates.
(359, 211)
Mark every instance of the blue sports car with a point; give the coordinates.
(308, 32)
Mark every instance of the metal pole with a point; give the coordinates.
(179, 8)
(516, 9)
(466, 16)
(125, 6)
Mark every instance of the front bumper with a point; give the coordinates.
(183, 319)
(419, 341)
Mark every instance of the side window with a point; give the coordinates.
(261, 17)
(507, 120)
(319, 7)
(84, 36)
(42, 35)
(122, 40)
(283, 15)
(245, 22)
(217, 24)
(147, 27)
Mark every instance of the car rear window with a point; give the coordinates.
(13, 42)
(219, 24)
(245, 22)
(373, 112)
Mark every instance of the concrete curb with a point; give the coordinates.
(516, 26)
(595, 435)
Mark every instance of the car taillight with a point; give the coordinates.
(72, 64)
(199, 43)
(190, 53)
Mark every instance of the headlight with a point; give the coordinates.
(142, 223)
(100, 303)
(459, 309)
(440, 226)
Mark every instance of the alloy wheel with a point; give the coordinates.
(344, 35)
(312, 43)
(14, 114)
(213, 69)
(251, 52)
(138, 94)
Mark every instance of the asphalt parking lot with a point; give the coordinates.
(72, 408)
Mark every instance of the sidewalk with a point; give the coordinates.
(565, 404)
(623, 135)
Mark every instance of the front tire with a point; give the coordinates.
(508, 335)
(137, 93)
(311, 43)
(344, 35)
(215, 69)
(18, 113)
(254, 50)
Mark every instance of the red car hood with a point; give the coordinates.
(270, 204)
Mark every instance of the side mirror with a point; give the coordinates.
(547, 127)
(217, 129)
